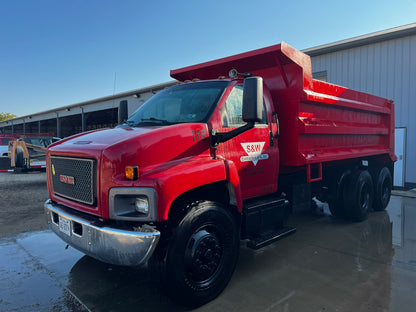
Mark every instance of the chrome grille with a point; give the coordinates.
(74, 178)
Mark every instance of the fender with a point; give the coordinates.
(173, 180)
(233, 178)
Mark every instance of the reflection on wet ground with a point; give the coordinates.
(328, 265)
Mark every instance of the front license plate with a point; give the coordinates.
(65, 226)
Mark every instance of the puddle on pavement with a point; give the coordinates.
(328, 264)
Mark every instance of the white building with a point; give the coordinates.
(383, 64)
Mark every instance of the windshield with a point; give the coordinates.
(191, 102)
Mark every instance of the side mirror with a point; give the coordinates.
(122, 111)
(253, 99)
(252, 111)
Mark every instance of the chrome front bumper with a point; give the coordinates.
(110, 245)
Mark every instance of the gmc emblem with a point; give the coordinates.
(67, 179)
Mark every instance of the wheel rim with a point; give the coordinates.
(365, 198)
(203, 256)
(385, 191)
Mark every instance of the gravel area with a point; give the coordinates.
(21, 201)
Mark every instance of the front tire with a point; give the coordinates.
(202, 255)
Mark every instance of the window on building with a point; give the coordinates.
(322, 75)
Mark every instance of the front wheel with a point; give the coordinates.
(202, 255)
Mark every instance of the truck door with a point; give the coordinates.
(255, 152)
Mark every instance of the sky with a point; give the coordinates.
(55, 53)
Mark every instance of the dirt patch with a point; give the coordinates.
(21, 199)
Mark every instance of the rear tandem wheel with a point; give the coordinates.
(383, 188)
(359, 196)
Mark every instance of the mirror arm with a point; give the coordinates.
(221, 137)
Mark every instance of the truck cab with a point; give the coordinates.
(141, 179)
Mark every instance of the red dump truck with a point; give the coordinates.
(226, 155)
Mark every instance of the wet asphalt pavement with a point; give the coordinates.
(328, 265)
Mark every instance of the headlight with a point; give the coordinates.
(133, 204)
(142, 205)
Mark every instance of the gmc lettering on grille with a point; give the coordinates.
(67, 179)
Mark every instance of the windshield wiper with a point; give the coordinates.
(154, 120)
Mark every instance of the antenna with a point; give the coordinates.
(115, 79)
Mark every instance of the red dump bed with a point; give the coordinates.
(319, 121)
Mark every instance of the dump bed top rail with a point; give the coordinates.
(319, 121)
(276, 58)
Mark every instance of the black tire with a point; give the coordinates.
(359, 196)
(19, 158)
(336, 201)
(383, 189)
(336, 205)
(202, 254)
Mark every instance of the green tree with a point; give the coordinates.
(6, 116)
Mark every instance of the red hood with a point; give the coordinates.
(95, 142)
(151, 149)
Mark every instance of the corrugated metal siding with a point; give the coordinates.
(386, 69)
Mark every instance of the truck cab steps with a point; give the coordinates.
(264, 219)
(270, 237)
(264, 215)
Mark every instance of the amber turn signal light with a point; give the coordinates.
(132, 172)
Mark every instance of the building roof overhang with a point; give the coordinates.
(379, 36)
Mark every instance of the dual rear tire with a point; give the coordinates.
(360, 197)
(383, 189)
(355, 194)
